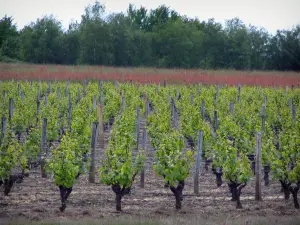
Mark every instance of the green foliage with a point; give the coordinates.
(112, 103)
(65, 162)
(285, 164)
(120, 167)
(51, 112)
(42, 41)
(235, 169)
(191, 119)
(10, 152)
(7, 30)
(172, 162)
(31, 146)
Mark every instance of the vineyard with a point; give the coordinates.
(92, 148)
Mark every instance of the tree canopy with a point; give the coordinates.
(154, 38)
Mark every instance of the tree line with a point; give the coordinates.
(152, 38)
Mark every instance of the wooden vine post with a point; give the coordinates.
(192, 99)
(101, 127)
(4, 94)
(263, 118)
(49, 87)
(118, 86)
(198, 161)
(239, 93)
(39, 91)
(46, 100)
(265, 100)
(94, 102)
(22, 96)
(67, 87)
(78, 95)
(291, 102)
(101, 93)
(138, 123)
(258, 196)
(84, 88)
(100, 83)
(231, 107)
(11, 108)
(43, 147)
(147, 108)
(123, 101)
(93, 150)
(203, 110)
(216, 122)
(19, 90)
(69, 111)
(38, 105)
(144, 146)
(58, 92)
(3, 128)
(294, 113)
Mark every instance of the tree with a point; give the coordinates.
(9, 40)
(258, 40)
(7, 29)
(43, 41)
(71, 44)
(121, 39)
(160, 37)
(11, 47)
(237, 45)
(95, 39)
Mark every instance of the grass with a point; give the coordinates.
(131, 220)
(23, 67)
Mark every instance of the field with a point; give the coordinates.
(80, 121)
(148, 75)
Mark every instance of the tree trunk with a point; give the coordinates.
(8, 183)
(236, 190)
(64, 194)
(253, 167)
(68, 192)
(118, 202)
(62, 198)
(206, 165)
(233, 190)
(238, 200)
(266, 176)
(219, 174)
(294, 191)
(120, 192)
(207, 162)
(19, 136)
(178, 197)
(285, 186)
(178, 193)
(117, 189)
(238, 195)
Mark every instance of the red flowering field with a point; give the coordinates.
(148, 75)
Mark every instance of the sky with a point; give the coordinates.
(270, 14)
